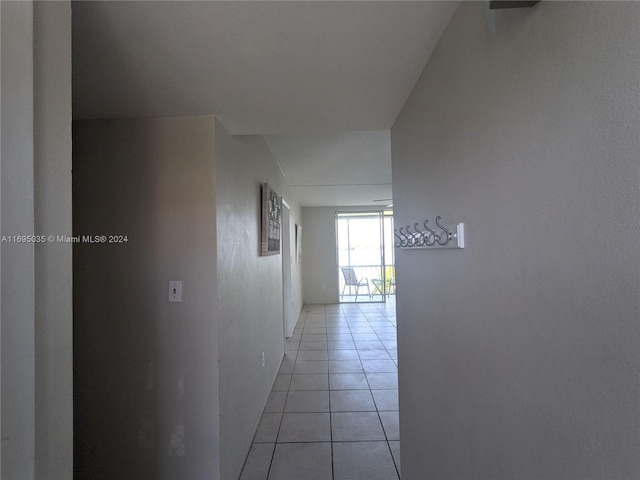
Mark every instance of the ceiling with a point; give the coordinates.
(351, 166)
(323, 80)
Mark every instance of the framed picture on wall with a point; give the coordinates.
(298, 243)
(271, 218)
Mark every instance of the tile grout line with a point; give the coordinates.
(329, 391)
(275, 443)
(384, 431)
(341, 319)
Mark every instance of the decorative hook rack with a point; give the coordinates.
(439, 237)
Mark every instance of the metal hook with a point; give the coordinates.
(432, 235)
(398, 242)
(418, 237)
(420, 240)
(446, 232)
(405, 238)
(412, 237)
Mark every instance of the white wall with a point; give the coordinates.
(320, 273)
(519, 355)
(187, 194)
(37, 421)
(18, 295)
(53, 266)
(250, 298)
(146, 370)
(296, 273)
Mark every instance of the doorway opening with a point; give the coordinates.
(289, 318)
(366, 262)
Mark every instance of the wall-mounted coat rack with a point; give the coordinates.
(423, 236)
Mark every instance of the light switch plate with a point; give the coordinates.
(175, 291)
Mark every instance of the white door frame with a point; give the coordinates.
(287, 322)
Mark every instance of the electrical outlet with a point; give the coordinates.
(263, 359)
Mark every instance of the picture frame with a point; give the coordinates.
(271, 221)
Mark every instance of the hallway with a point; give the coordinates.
(333, 410)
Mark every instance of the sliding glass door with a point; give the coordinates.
(366, 271)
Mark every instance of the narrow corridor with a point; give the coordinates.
(333, 410)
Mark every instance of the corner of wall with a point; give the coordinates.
(320, 275)
(250, 290)
(519, 354)
(141, 362)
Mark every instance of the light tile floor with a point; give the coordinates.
(333, 410)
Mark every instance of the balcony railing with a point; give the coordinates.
(380, 281)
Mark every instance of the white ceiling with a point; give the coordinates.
(356, 164)
(326, 79)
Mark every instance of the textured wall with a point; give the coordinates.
(53, 267)
(320, 274)
(36, 278)
(519, 355)
(150, 373)
(18, 263)
(250, 297)
(145, 370)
